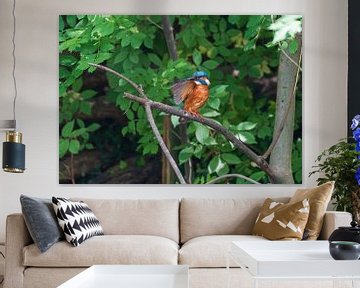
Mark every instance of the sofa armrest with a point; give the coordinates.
(17, 237)
(333, 220)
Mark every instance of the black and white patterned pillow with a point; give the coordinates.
(77, 220)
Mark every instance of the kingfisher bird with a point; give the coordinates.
(194, 91)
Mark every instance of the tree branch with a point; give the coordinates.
(153, 22)
(280, 128)
(150, 118)
(137, 87)
(162, 144)
(171, 45)
(169, 37)
(241, 146)
(232, 176)
(167, 127)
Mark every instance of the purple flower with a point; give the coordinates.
(357, 175)
(355, 122)
(357, 147)
(356, 134)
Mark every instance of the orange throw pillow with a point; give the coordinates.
(279, 221)
(319, 198)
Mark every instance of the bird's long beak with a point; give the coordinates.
(207, 82)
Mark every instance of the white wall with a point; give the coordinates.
(324, 105)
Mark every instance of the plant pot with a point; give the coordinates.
(351, 233)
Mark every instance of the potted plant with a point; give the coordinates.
(341, 163)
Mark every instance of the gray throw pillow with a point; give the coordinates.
(41, 221)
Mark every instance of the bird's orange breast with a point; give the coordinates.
(197, 98)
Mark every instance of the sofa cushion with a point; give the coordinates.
(200, 217)
(107, 249)
(158, 217)
(211, 251)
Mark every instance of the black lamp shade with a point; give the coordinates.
(13, 157)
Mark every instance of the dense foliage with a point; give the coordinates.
(341, 163)
(241, 55)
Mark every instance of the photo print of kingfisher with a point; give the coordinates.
(194, 91)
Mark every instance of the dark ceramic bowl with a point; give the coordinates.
(344, 250)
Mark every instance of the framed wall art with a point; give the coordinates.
(180, 99)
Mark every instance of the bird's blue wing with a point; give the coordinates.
(182, 89)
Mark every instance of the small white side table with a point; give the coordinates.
(284, 261)
(131, 276)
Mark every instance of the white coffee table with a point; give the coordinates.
(293, 260)
(131, 276)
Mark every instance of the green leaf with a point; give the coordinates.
(85, 108)
(67, 60)
(61, 23)
(224, 170)
(134, 57)
(210, 141)
(210, 64)
(80, 123)
(202, 133)
(67, 129)
(197, 30)
(257, 176)
(214, 102)
(211, 114)
(286, 27)
(125, 42)
(246, 126)
(197, 58)
(255, 71)
(120, 57)
(185, 154)
(78, 132)
(230, 158)
(222, 25)
(149, 43)
(89, 146)
(136, 40)
(175, 120)
(188, 38)
(63, 147)
(255, 20)
(71, 20)
(104, 29)
(220, 89)
(93, 127)
(74, 146)
(293, 46)
(77, 85)
(155, 59)
(264, 132)
(87, 94)
(215, 165)
(246, 137)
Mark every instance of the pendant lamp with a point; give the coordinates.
(13, 159)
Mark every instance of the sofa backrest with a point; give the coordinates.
(159, 217)
(200, 217)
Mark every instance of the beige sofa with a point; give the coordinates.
(194, 232)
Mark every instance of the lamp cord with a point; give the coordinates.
(2, 280)
(14, 60)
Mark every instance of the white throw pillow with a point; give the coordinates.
(76, 220)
